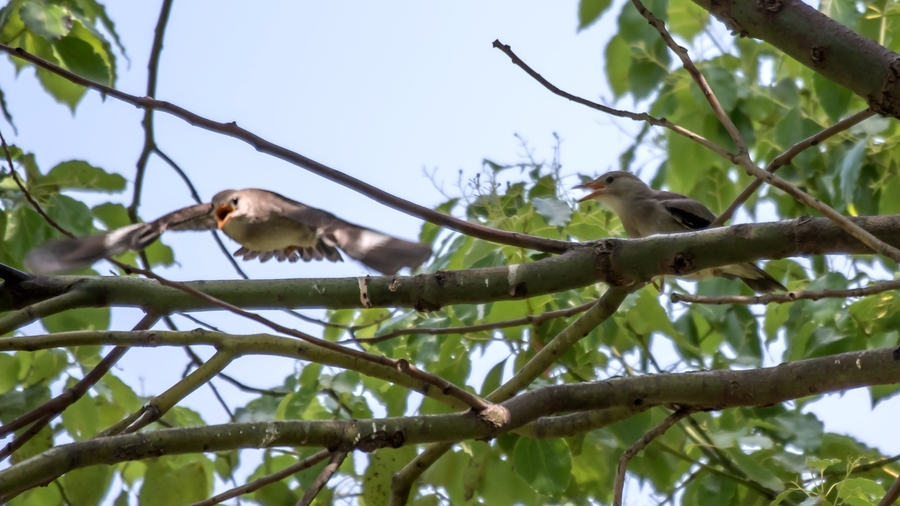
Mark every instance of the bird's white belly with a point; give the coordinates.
(269, 236)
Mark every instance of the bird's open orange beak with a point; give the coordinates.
(596, 186)
(223, 214)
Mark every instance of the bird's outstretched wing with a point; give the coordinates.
(379, 251)
(70, 254)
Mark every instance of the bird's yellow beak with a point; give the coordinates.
(597, 189)
(223, 214)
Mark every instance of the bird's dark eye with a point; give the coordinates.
(610, 179)
(234, 201)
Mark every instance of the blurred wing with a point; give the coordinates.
(70, 254)
(381, 252)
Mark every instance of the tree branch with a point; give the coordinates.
(266, 480)
(241, 344)
(337, 458)
(535, 320)
(704, 390)
(786, 158)
(822, 44)
(605, 307)
(639, 445)
(149, 140)
(781, 298)
(233, 130)
(45, 413)
(688, 65)
(643, 117)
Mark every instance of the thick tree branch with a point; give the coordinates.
(822, 44)
(605, 307)
(613, 261)
(705, 390)
(402, 365)
(233, 130)
(241, 344)
(71, 395)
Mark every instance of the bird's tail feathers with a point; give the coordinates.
(757, 279)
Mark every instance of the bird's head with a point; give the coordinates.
(226, 204)
(615, 185)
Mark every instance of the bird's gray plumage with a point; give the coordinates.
(644, 211)
(266, 224)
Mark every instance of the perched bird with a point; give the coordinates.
(266, 224)
(644, 211)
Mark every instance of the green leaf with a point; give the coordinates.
(87, 486)
(556, 212)
(545, 464)
(166, 482)
(60, 88)
(47, 21)
(723, 83)
(112, 215)
(9, 372)
(821, 464)
(860, 487)
(850, 167)
(376, 487)
(618, 60)
(687, 19)
(80, 175)
(833, 97)
(589, 12)
(755, 471)
(80, 57)
(88, 318)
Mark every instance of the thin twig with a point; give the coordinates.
(262, 145)
(37, 207)
(197, 199)
(688, 65)
(786, 158)
(639, 445)
(401, 365)
(337, 458)
(839, 219)
(780, 298)
(644, 117)
(605, 307)
(196, 360)
(147, 122)
(349, 328)
(266, 480)
(45, 413)
(535, 320)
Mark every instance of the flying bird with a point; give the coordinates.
(644, 211)
(266, 224)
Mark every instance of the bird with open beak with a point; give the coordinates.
(266, 224)
(644, 211)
